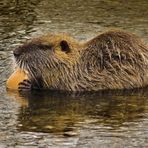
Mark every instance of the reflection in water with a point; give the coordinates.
(58, 112)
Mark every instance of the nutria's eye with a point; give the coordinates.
(64, 46)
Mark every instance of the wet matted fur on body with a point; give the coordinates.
(112, 60)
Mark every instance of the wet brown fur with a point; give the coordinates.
(112, 60)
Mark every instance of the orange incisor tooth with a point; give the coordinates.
(16, 77)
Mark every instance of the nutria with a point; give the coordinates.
(112, 60)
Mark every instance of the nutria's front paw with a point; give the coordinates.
(25, 85)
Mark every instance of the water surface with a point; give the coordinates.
(53, 119)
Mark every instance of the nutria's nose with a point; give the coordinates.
(17, 52)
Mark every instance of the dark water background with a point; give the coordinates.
(50, 119)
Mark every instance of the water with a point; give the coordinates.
(50, 119)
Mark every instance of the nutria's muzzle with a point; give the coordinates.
(30, 47)
(30, 57)
(17, 52)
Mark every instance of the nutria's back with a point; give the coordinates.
(112, 60)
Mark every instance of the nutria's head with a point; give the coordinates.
(48, 58)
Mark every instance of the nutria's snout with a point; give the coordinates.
(30, 47)
(20, 50)
(17, 52)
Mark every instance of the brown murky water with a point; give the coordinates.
(116, 119)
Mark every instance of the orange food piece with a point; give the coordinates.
(17, 77)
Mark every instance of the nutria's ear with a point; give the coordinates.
(64, 46)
